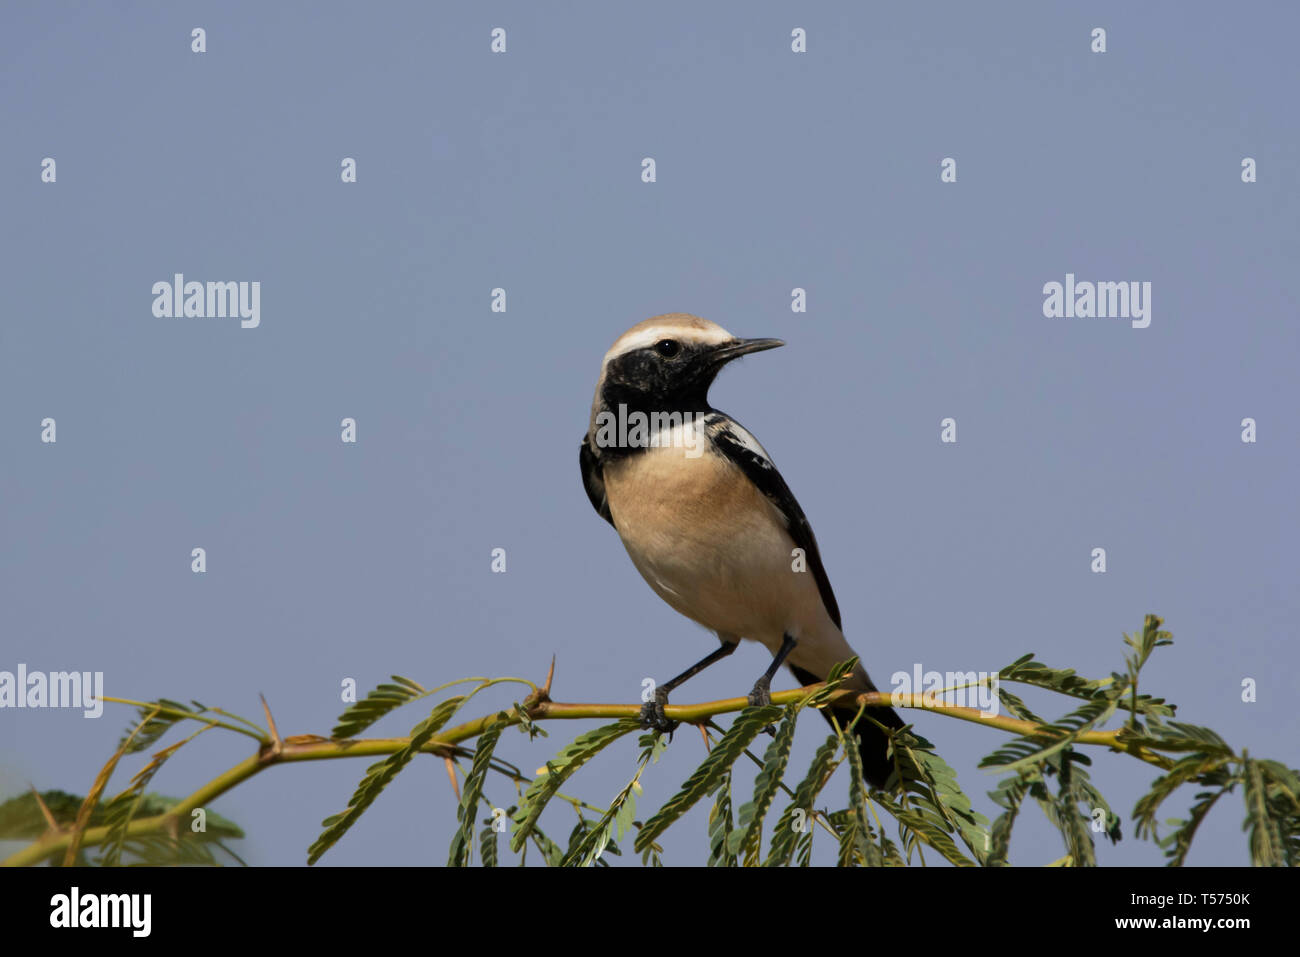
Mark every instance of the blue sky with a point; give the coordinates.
(522, 171)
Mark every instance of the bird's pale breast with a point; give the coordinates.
(711, 544)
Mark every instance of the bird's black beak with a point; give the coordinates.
(741, 347)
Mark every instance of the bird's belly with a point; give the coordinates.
(711, 544)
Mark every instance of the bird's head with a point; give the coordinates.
(668, 363)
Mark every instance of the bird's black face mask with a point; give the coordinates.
(671, 375)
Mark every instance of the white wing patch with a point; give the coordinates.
(717, 422)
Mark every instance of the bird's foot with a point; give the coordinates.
(653, 715)
(761, 697)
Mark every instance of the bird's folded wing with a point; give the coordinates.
(735, 442)
(594, 481)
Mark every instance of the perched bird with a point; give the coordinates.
(707, 519)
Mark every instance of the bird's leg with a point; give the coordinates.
(762, 693)
(652, 712)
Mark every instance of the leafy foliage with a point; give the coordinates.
(22, 818)
(795, 823)
(488, 844)
(748, 724)
(722, 826)
(155, 719)
(1043, 764)
(379, 702)
(765, 787)
(379, 775)
(857, 846)
(586, 848)
(929, 790)
(585, 747)
(471, 793)
(122, 809)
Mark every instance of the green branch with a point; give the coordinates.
(316, 748)
(1042, 761)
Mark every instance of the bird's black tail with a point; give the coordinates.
(877, 765)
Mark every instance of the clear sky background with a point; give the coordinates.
(523, 171)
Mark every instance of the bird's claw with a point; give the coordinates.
(761, 697)
(653, 715)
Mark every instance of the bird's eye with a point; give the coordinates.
(668, 347)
